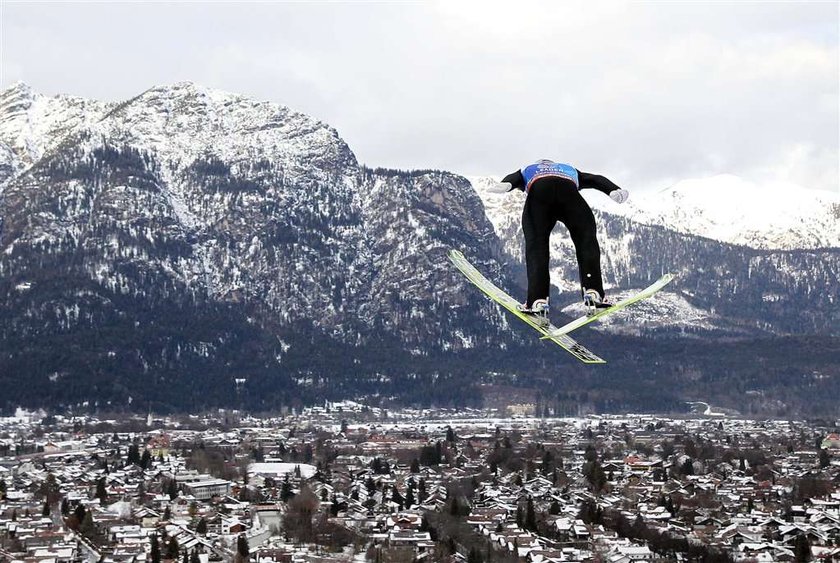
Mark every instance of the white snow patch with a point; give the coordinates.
(730, 209)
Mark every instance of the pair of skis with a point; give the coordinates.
(559, 336)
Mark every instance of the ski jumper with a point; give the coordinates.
(553, 195)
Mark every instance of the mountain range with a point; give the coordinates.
(190, 248)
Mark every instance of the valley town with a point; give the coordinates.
(348, 482)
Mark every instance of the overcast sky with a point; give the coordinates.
(647, 93)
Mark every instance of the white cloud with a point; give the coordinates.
(648, 93)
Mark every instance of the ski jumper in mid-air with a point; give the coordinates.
(553, 194)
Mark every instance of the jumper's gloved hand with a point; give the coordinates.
(619, 195)
(500, 187)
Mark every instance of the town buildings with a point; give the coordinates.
(346, 482)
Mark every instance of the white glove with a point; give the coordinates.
(619, 195)
(500, 187)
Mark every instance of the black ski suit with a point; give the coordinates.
(551, 199)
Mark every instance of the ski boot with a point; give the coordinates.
(593, 301)
(538, 311)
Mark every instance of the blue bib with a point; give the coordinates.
(545, 168)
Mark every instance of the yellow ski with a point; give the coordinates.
(509, 303)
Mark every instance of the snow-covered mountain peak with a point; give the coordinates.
(183, 121)
(730, 209)
(19, 91)
(32, 123)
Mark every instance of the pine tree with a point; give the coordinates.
(146, 460)
(530, 516)
(50, 489)
(802, 549)
(87, 528)
(547, 463)
(80, 513)
(639, 529)
(172, 489)
(454, 506)
(155, 549)
(286, 490)
(409, 496)
(415, 465)
(397, 498)
(101, 492)
(825, 459)
(172, 548)
(201, 527)
(242, 546)
(194, 557)
(133, 455)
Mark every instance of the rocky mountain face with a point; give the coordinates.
(191, 248)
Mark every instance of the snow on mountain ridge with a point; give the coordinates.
(185, 121)
(725, 208)
(182, 122)
(32, 123)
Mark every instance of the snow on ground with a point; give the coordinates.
(279, 469)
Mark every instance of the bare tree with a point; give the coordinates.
(301, 510)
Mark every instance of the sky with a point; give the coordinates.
(647, 93)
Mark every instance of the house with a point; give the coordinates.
(208, 488)
(630, 554)
(409, 538)
(831, 442)
(158, 445)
